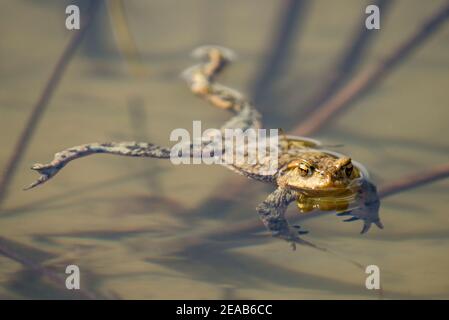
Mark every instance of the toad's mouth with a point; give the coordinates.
(324, 200)
(331, 192)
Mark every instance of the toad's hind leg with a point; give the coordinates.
(130, 149)
(201, 79)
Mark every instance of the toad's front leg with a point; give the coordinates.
(272, 214)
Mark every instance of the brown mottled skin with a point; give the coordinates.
(313, 177)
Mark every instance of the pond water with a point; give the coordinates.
(145, 229)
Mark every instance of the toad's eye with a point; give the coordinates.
(305, 169)
(348, 170)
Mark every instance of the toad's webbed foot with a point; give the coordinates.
(292, 236)
(300, 232)
(46, 171)
(366, 208)
(355, 216)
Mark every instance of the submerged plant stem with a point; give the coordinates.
(414, 181)
(370, 77)
(345, 65)
(58, 281)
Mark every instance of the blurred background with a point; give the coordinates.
(145, 229)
